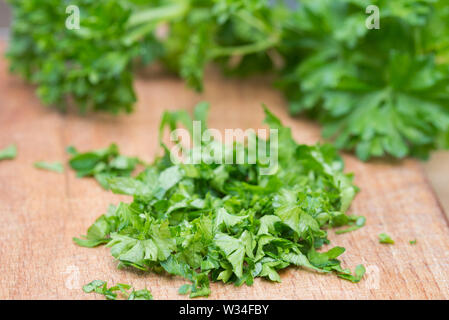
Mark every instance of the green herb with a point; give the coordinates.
(9, 152)
(355, 223)
(71, 150)
(184, 289)
(359, 272)
(227, 222)
(55, 166)
(385, 238)
(378, 92)
(102, 164)
(100, 287)
(412, 242)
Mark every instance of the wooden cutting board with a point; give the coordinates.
(41, 211)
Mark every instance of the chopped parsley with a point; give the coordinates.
(55, 166)
(114, 292)
(385, 238)
(10, 152)
(227, 222)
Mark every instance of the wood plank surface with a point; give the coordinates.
(41, 211)
(437, 170)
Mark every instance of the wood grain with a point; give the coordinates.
(41, 211)
(437, 170)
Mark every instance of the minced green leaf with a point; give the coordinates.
(55, 166)
(9, 152)
(355, 223)
(142, 294)
(112, 293)
(377, 92)
(106, 165)
(385, 238)
(184, 289)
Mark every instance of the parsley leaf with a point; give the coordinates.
(100, 287)
(9, 152)
(385, 238)
(359, 272)
(355, 223)
(55, 166)
(103, 164)
(380, 92)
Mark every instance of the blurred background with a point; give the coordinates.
(437, 169)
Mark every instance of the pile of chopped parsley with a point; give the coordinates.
(224, 222)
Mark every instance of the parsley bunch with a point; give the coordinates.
(379, 92)
(92, 66)
(227, 222)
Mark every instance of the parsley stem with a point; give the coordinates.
(144, 22)
(158, 14)
(244, 49)
(253, 21)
